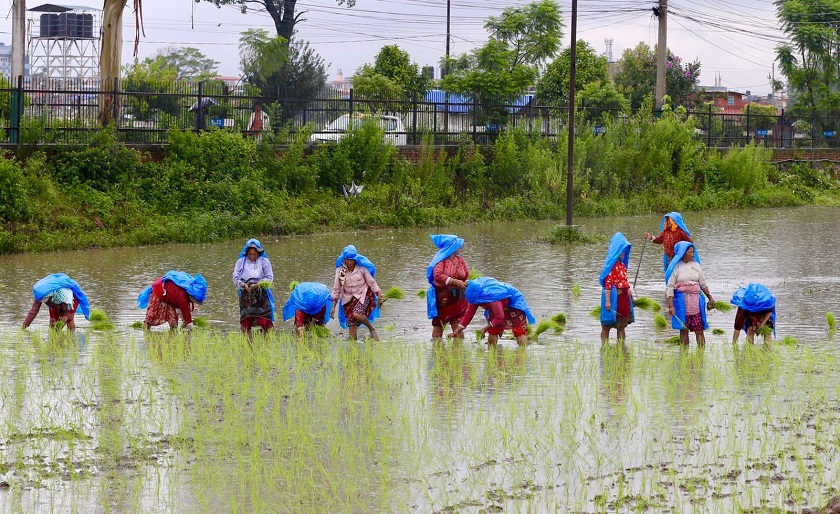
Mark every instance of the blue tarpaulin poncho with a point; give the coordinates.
(253, 242)
(485, 290)
(350, 252)
(195, 286)
(50, 283)
(755, 298)
(618, 246)
(448, 245)
(678, 319)
(309, 297)
(678, 221)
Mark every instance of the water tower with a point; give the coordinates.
(64, 44)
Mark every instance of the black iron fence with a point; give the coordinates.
(67, 112)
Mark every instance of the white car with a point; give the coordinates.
(335, 131)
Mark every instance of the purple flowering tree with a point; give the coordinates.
(636, 76)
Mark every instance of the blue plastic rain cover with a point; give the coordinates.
(55, 281)
(487, 290)
(618, 245)
(309, 297)
(350, 252)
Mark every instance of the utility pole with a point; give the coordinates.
(18, 39)
(661, 51)
(570, 175)
(446, 70)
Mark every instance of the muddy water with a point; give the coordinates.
(792, 251)
(623, 401)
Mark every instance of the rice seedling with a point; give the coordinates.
(721, 306)
(265, 284)
(97, 315)
(789, 341)
(645, 303)
(559, 318)
(575, 290)
(200, 322)
(474, 274)
(832, 323)
(673, 340)
(659, 321)
(479, 335)
(394, 293)
(421, 293)
(137, 325)
(542, 327)
(596, 312)
(571, 234)
(292, 285)
(765, 331)
(718, 331)
(320, 331)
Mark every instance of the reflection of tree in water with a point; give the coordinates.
(756, 367)
(615, 376)
(682, 381)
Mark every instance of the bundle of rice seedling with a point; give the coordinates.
(765, 330)
(647, 304)
(265, 284)
(421, 293)
(722, 306)
(394, 293)
(659, 321)
(474, 274)
(479, 335)
(137, 324)
(292, 285)
(575, 290)
(102, 325)
(559, 318)
(320, 331)
(832, 323)
(673, 340)
(201, 322)
(99, 320)
(718, 331)
(543, 326)
(596, 312)
(789, 341)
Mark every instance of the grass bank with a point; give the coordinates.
(218, 185)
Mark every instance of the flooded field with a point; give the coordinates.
(123, 421)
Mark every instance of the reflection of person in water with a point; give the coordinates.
(502, 366)
(615, 371)
(682, 382)
(450, 372)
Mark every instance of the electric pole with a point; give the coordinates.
(18, 39)
(661, 51)
(570, 175)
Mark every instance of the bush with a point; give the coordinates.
(101, 163)
(361, 156)
(743, 169)
(14, 192)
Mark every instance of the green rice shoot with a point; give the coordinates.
(559, 318)
(575, 290)
(721, 306)
(765, 331)
(479, 335)
(645, 303)
(102, 325)
(718, 331)
(394, 293)
(832, 323)
(659, 321)
(201, 322)
(542, 327)
(421, 293)
(98, 315)
(789, 341)
(673, 340)
(596, 312)
(474, 274)
(292, 285)
(265, 284)
(320, 331)
(137, 325)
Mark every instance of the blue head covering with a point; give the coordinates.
(350, 252)
(55, 281)
(448, 245)
(618, 245)
(195, 286)
(679, 251)
(755, 298)
(309, 297)
(253, 243)
(484, 290)
(678, 221)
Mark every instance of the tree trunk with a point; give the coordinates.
(282, 12)
(110, 57)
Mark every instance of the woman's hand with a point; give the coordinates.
(607, 305)
(649, 236)
(458, 284)
(671, 309)
(456, 332)
(710, 304)
(332, 311)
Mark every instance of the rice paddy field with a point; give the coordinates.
(118, 420)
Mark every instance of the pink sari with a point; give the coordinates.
(691, 294)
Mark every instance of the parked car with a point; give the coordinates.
(335, 131)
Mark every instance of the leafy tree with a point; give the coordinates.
(521, 39)
(282, 12)
(189, 62)
(810, 60)
(601, 101)
(153, 77)
(762, 116)
(636, 76)
(392, 76)
(553, 88)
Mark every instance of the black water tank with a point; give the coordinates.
(85, 23)
(49, 25)
(67, 24)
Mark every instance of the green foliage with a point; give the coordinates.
(394, 293)
(154, 77)
(571, 234)
(102, 163)
(742, 169)
(533, 31)
(553, 87)
(831, 321)
(636, 76)
(718, 331)
(600, 102)
(188, 62)
(722, 306)
(645, 303)
(659, 321)
(762, 117)
(14, 192)
(392, 76)
(362, 156)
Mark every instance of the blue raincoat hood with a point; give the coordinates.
(448, 245)
(256, 244)
(55, 281)
(195, 286)
(679, 251)
(350, 252)
(309, 297)
(618, 244)
(484, 290)
(755, 298)
(677, 219)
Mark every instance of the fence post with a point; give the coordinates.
(350, 121)
(16, 110)
(475, 118)
(813, 127)
(782, 125)
(414, 121)
(116, 99)
(749, 134)
(709, 128)
(199, 111)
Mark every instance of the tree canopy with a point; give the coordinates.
(393, 73)
(188, 62)
(553, 87)
(636, 76)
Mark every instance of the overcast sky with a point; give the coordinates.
(734, 39)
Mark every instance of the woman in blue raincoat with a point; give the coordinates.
(684, 282)
(356, 290)
(756, 309)
(616, 293)
(310, 304)
(504, 308)
(673, 231)
(171, 297)
(63, 297)
(447, 275)
(253, 277)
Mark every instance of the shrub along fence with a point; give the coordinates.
(53, 112)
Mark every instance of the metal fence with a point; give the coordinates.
(52, 112)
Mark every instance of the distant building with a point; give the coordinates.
(341, 84)
(6, 61)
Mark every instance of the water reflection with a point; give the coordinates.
(682, 383)
(502, 366)
(615, 376)
(451, 373)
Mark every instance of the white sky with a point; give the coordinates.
(733, 38)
